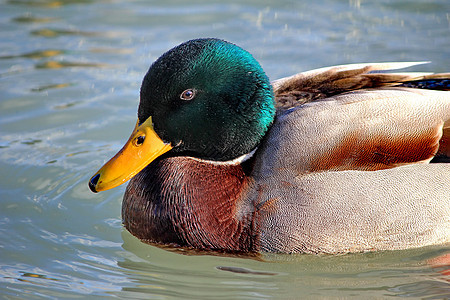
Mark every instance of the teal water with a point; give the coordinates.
(70, 73)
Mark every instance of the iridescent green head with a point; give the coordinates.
(209, 99)
(205, 98)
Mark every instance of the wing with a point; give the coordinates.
(378, 127)
(326, 82)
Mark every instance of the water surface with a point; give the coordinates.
(70, 73)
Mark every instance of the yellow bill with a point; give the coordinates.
(143, 146)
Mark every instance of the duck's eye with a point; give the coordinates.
(139, 140)
(188, 94)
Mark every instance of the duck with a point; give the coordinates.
(343, 159)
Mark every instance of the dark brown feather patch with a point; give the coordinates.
(380, 152)
(190, 203)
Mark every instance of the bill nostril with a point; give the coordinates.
(93, 183)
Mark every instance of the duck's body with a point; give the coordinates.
(344, 166)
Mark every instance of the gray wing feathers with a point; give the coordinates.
(348, 170)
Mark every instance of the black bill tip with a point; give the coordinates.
(93, 183)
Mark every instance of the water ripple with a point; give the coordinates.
(36, 54)
(52, 64)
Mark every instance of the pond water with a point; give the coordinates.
(70, 72)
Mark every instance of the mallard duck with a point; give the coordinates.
(334, 160)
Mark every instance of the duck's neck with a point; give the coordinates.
(191, 203)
